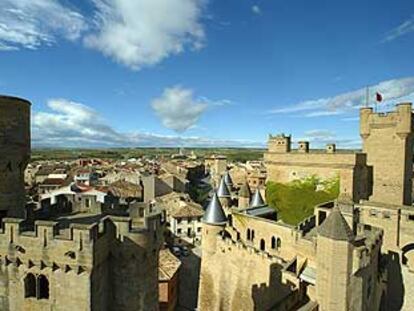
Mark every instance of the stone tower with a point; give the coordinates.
(257, 199)
(214, 220)
(223, 194)
(387, 141)
(14, 154)
(334, 262)
(244, 196)
(279, 143)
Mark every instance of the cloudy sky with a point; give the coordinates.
(203, 72)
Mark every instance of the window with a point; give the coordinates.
(248, 234)
(42, 287)
(179, 231)
(29, 286)
(189, 232)
(278, 243)
(36, 287)
(373, 213)
(87, 203)
(252, 235)
(273, 242)
(178, 220)
(411, 217)
(199, 229)
(386, 215)
(262, 245)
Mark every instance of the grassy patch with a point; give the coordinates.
(296, 200)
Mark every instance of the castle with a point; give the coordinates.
(353, 253)
(61, 260)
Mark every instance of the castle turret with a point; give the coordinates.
(279, 143)
(214, 220)
(257, 199)
(244, 196)
(387, 141)
(14, 154)
(228, 180)
(334, 263)
(223, 193)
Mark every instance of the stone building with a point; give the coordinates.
(354, 253)
(69, 261)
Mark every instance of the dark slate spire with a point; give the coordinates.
(228, 180)
(257, 199)
(335, 227)
(223, 190)
(244, 191)
(214, 214)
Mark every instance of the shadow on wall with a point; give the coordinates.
(276, 296)
(189, 278)
(394, 297)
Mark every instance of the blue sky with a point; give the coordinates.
(203, 72)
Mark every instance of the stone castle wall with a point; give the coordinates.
(237, 277)
(284, 167)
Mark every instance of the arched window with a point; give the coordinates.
(29, 286)
(252, 235)
(279, 243)
(273, 242)
(42, 287)
(238, 236)
(262, 245)
(248, 234)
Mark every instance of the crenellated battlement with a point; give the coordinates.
(400, 120)
(82, 245)
(226, 244)
(366, 246)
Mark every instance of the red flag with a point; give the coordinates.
(378, 97)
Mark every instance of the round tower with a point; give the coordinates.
(228, 180)
(214, 221)
(257, 199)
(224, 194)
(244, 196)
(15, 154)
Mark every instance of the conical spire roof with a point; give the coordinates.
(227, 179)
(244, 191)
(257, 199)
(335, 227)
(223, 191)
(214, 214)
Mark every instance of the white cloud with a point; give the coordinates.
(256, 9)
(143, 33)
(33, 23)
(178, 109)
(393, 91)
(405, 28)
(72, 124)
(133, 33)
